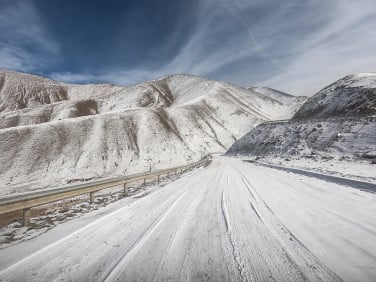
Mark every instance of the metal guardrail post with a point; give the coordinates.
(26, 217)
(158, 178)
(91, 197)
(125, 192)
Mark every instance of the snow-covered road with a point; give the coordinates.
(228, 222)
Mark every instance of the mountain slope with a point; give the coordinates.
(279, 96)
(347, 137)
(337, 122)
(104, 130)
(353, 95)
(20, 90)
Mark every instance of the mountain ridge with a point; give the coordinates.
(337, 122)
(103, 130)
(353, 94)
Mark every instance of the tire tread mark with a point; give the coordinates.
(238, 260)
(328, 273)
(108, 275)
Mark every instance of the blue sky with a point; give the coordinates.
(297, 46)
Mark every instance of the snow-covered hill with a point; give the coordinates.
(279, 96)
(53, 133)
(353, 95)
(353, 137)
(338, 122)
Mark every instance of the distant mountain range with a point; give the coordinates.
(53, 133)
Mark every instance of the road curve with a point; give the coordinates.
(228, 222)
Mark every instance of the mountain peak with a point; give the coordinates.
(352, 95)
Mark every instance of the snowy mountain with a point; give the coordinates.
(353, 95)
(279, 96)
(338, 122)
(53, 133)
(20, 90)
(341, 138)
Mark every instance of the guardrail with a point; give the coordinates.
(27, 201)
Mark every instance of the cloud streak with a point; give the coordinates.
(295, 46)
(24, 41)
(344, 45)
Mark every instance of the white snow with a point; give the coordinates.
(95, 131)
(367, 80)
(334, 132)
(50, 215)
(353, 95)
(279, 96)
(352, 169)
(348, 139)
(231, 221)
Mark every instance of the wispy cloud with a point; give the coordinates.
(295, 46)
(345, 44)
(24, 41)
(212, 45)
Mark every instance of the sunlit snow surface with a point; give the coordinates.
(353, 95)
(336, 127)
(54, 133)
(231, 221)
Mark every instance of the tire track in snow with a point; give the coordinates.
(257, 252)
(231, 238)
(180, 230)
(32, 262)
(306, 206)
(224, 212)
(176, 250)
(272, 229)
(223, 230)
(305, 262)
(120, 264)
(256, 212)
